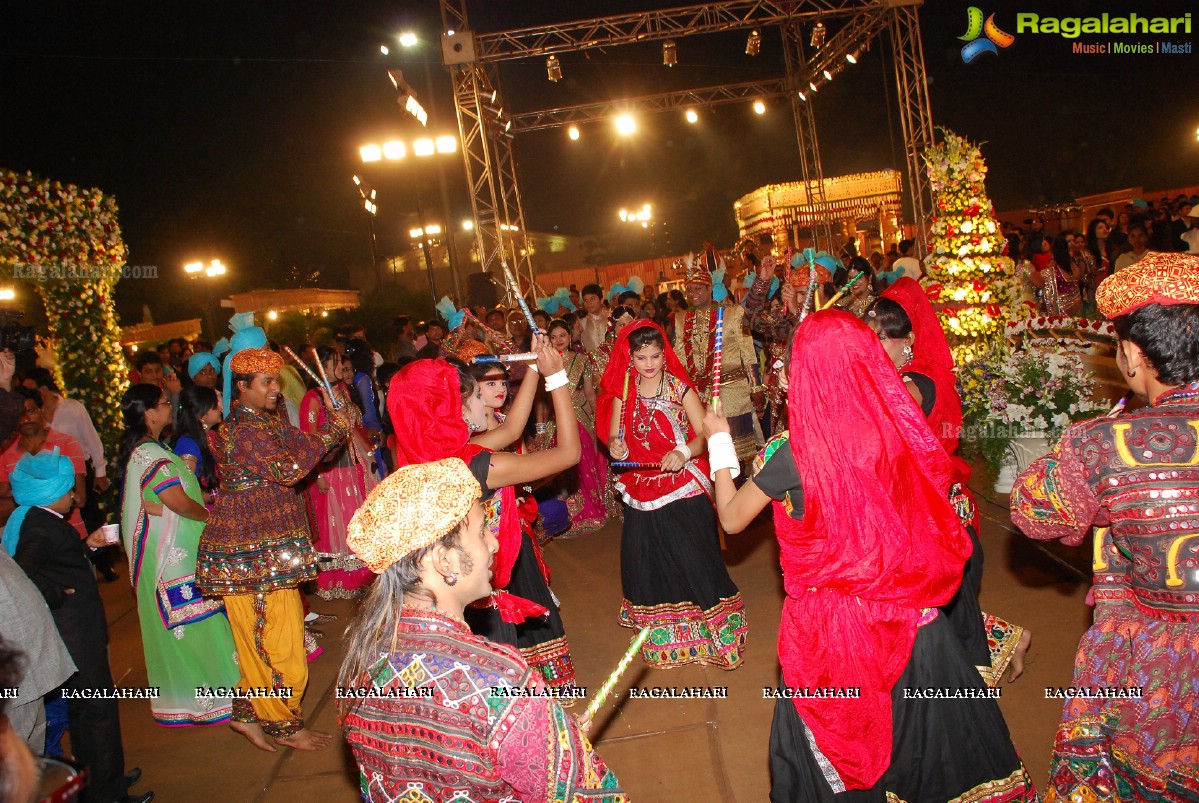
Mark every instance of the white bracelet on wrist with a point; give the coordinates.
(556, 380)
(683, 451)
(722, 455)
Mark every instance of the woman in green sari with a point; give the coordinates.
(186, 638)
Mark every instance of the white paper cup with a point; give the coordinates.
(112, 533)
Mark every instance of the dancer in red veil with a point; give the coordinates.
(870, 546)
(671, 569)
(911, 334)
(435, 406)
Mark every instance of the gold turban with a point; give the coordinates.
(410, 510)
(255, 361)
(1157, 278)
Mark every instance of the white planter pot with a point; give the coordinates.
(1020, 455)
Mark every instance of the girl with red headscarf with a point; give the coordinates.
(435, 406)
(870, 546)
(911, 334)
(673, 576)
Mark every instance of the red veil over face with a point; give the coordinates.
(620, 366)
(878, 542)
(425, 405)
(931, 357)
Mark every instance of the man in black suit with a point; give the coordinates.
(50, 551)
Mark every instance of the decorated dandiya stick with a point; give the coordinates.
(842, 291)
(325, 378)
(811, 297)
(621, 668)
(633, 464)
(719, 348)
(521, 357)
(1118, 410)
(302, 365)
(520, 299)
(624, 400)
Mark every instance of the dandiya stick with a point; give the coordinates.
(521, 357)
(624, 400)
(621, 668)
(524, 307)
(324, 378)
(633, 464)
(301, 364)
(719, 348)
(1118, 410)
(842, 291)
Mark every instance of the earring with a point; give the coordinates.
(1131, 373)
(907, 351)
(451, 579)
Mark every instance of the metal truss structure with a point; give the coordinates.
(487, 131)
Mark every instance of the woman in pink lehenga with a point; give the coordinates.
(337, 489)
(586, 501)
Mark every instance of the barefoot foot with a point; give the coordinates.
(254, 732)
(1016, 667)
(305, 739)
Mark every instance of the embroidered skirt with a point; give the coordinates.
(675, 582)
(941, 750)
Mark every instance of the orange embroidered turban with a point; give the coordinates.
(256, 361)
(410, 510)
(1157, 278)
(469, 349)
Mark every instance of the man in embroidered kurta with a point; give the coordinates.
(695, 343)
(445, 714)
(257, 548)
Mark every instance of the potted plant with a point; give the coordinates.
(1016, 404)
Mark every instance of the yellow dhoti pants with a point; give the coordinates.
(268, 630)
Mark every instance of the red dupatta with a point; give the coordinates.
(425, 406)
(931, 357)
(878, 542)
(649, 484)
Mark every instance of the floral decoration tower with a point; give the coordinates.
(66, 239)
(969, 278)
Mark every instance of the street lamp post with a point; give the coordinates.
(367, 194)
(213, 270)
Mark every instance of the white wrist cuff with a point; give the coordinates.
(556, 380)
(721, 454)
(683, 451)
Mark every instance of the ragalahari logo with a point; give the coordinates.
(983, 37)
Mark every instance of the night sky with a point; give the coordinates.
(232, 129)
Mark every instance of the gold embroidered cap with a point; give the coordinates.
(256, 361)
(411, 509)
(1156, 278)
(469, 349)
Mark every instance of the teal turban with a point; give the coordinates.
(251, 337)
(38, 480)
(196, 363)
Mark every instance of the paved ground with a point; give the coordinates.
(661, 750)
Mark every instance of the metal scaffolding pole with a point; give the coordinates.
(915, 113)
(811, 170)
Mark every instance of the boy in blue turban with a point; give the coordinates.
(48, 549)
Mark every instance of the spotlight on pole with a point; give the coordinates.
(384, 50)
(828, 76)
(753, 45)
(853, 57)
(692, 116)
(759, 107)
(407, 39)
(626, 125)
(670, 53)
(371, 153)
(553, 69)
(573, 133)
(802, 96)
(819, 32)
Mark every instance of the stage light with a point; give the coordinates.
(753, 45)
(625, 125)
(357, 181)
(670, 53)
(407, 39)
(819, 32)
(272, 315)
(573, 133)
(624, 214)
(446, 144)
(812, 86)
(828, 76)
(468, 225)
(507, 126)
(193, 267)
(759, 107)
(802, 96)
(394, 150)
(553, 69)
(371, 153)
(692, 116)
(853, 57)
(384, 50)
